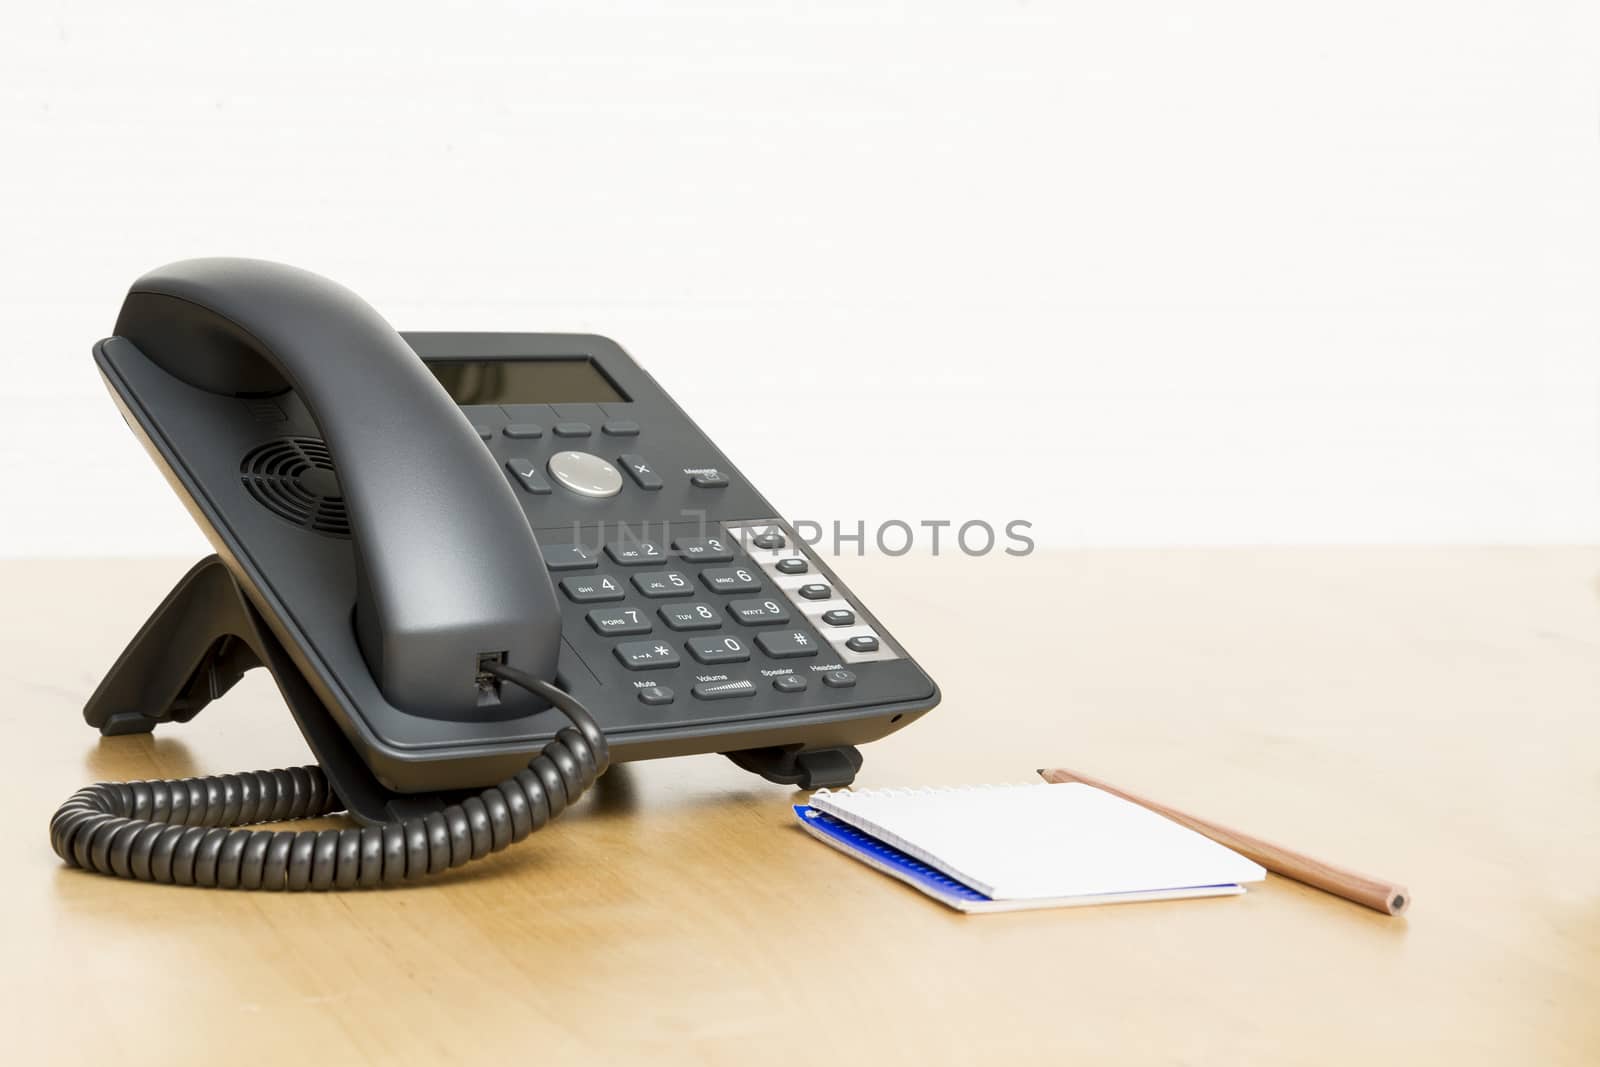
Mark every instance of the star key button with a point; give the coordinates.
(646, 655)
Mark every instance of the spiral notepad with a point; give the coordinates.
(1007, 847)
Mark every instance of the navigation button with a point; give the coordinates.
(695, 616)
(788, 644)
(656, 694)
(633, 553)
(816, 591)
(617, 622)
(592, 589)
(839, 679)
(839, 617)
(790, 683)
(585, 474)
(646, 655)
(703, 549)
(740, 687)
(640, 470)
(658, 584)
(526, 471)
(759, 612)
(727, 649)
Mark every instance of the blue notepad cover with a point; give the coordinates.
(924, 877)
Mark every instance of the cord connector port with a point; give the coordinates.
(488, 684)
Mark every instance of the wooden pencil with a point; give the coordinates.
(1374, 893)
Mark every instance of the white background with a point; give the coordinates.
(1148, 273)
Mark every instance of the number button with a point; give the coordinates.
(658, 584)
(569, 557)
(758, 612)
(728, 649)
(703, 549)
(788, 644)
(592, 589)
(633, 553)
(730, 580)
(646, 655)
(694, 616)
(615, 622)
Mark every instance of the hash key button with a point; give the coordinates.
(592, 589)
(640, 470)
(788, 644)
(646, 655)
(730, 580)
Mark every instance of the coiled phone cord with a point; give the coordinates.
(178, 832)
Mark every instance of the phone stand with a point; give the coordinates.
(206, 634)
(194, 647)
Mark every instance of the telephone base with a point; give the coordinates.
(812, 768)
(194, 647)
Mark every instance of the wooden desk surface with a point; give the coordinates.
(1430, 715)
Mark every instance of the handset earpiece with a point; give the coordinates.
(448, 573)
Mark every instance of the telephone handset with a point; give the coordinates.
(478, 566)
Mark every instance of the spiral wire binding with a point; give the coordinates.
(185, 831)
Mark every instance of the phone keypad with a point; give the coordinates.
(771, 621)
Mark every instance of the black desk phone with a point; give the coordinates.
(479, 566)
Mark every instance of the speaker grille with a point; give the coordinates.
(293, 478)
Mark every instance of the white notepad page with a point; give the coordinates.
(1021, 842)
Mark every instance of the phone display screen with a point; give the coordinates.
(525, 381)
